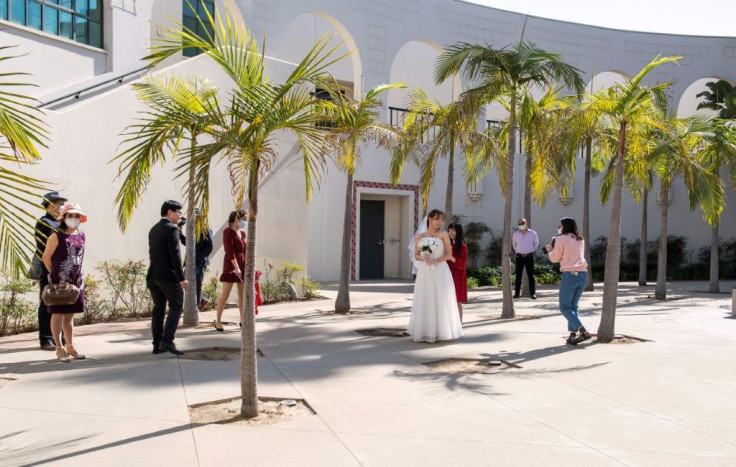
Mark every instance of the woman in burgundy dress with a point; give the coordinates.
(63, 257)
(233, 240)
(458, 266)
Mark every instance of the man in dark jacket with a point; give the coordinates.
(165, 277)
(45, 226)
(202, 251)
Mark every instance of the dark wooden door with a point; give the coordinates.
(371, 239)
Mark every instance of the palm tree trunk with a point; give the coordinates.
(643, 240)
(660, 291)
(342, 302)
(714, 285)
(507, 309)
(191, 307)
(613, 250)
(527, 208)
(249, 363)
(586, 213)
(450, 180)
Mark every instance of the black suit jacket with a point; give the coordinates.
(164, 253)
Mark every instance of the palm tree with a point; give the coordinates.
(722, 98)
(259, 110)
(357, 123)
(180, 111)
(504, 71)
(694, 139)
(626, 107)
(433, 130)
(21, 133)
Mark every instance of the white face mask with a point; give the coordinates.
(73, 223)
(522, 227)
(242, 224)
(559, 231)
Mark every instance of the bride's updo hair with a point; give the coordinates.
(434, 214)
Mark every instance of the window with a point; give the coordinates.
(192, 9)
(78, 20)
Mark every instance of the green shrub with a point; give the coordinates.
(472, 283)
(16, 313)
(211, 290)
(94, 306)
(308, 287)
(126, 283)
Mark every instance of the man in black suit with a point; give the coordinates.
(45, 226)
(165, 277)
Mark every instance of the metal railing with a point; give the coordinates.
(397, 117)
(76, 94)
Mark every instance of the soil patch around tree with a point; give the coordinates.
(272, 410)
(383, 332)
(624, 339)
(221, 354)
(471, 365)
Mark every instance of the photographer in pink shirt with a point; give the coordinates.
(568, 249)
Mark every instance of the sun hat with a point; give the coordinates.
(72, 208)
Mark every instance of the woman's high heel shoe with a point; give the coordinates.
(62, 356)
(73, 352)
(220, 329)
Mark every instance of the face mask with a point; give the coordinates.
(73, 223)
(242, 224)
(559, 231)
(522, 227)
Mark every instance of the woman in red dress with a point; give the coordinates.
(458, 265)
(233, 240)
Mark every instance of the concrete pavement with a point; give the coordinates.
(668, 401)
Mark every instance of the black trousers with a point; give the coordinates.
(528, 263)
(44, 317)
(199, 272)
(163, 292)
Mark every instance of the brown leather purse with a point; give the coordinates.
(62, 293)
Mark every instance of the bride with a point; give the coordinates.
(434, 313)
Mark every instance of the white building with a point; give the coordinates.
(93, 49)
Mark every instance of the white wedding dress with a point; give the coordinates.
(434, 313)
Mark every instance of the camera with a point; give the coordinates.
(544, 248)
(182, 221)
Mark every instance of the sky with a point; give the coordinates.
(700, 18)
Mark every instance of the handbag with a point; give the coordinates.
(35, 271)
(62, 293)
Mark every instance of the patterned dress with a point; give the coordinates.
(459, 275)
(66, 266)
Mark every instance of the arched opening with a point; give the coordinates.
(304, 32)
(688, 103)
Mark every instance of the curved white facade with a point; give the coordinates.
(394, 40)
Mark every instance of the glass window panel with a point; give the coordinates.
(51, 20)
(3, 9)
(95, 10)
(95, 34)
(18, 11)
(81, 7)
(66, 3)
(190, 23)
(186, 7)
(34, 15)
(80, 29)
(65, 25)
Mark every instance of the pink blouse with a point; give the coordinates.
(570, 253)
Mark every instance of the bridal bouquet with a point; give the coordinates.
(428, 244)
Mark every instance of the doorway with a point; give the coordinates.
(371, 239)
